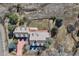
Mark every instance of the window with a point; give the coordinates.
(21, 35)
(26, 35)
(17, 35)
(38, 44)
(42, 44)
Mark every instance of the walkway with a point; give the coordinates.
(20, 46)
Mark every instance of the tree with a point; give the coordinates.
(54, 32)
(13, 18)
(21, 22)
(53, 18)
(47, 43)
(1, 20)
(58, 23)
(18, 7)
(11, 29)
(70, 28)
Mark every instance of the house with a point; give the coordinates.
(38, 38)
(21, 32)
(35, 37)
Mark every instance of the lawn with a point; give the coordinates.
(40, 24)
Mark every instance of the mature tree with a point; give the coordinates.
(58, 23)
(13, 18)
(11, 29)
(78, 33)
(70, 28)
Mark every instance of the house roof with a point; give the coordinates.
(35, 34)
(21, 29)
(39, 35)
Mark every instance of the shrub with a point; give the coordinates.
(53, 18)
(54, 32)
(13, 18)
(21, 22)
(11, 27)
(48, 43)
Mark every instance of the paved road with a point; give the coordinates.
(3, 47)
(1, 44)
